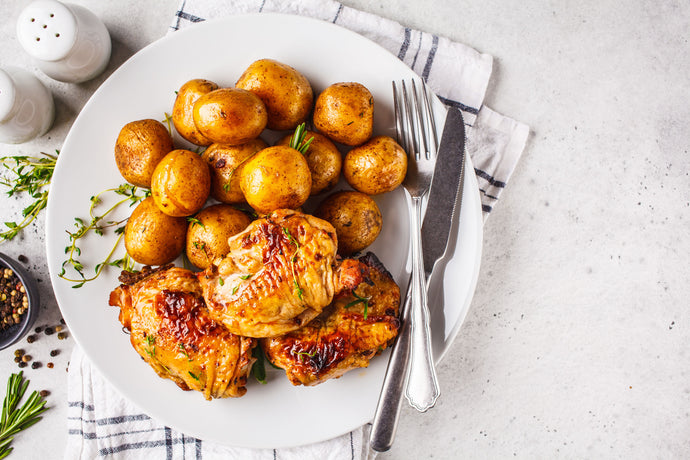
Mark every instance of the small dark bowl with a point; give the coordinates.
(15, 332)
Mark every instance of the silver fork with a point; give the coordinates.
(414, 338)
(417, 135)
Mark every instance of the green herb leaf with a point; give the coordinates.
(14, 420)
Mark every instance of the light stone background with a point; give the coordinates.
(576, 344)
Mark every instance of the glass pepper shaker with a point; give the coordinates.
(68, 42)
(27, 109)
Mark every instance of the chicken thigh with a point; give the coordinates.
(170, 328)
(359, 324)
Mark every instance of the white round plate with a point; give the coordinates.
(276, 414)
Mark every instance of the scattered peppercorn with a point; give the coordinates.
(22, 258)
(49, 331)
(49, 365)
(62, 335)
(31, 339)
(54, 352)
(44, 393)
(35, 365)
(18, 352)
(13, 300)
(62, 321)
(26, 358)
(21, 364)
(38, 330)
(17, 359)
(58, 328)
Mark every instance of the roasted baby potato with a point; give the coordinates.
(208, 233)
(324, 160)
(139, 147)
(375, 167)
(275, 178)
(356, 218)
(183, 109)
(286, 92)
(181, 183)
(153, 237)
(230, 116)
(225, 162)
(345, 113)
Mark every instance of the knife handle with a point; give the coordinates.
(422, 389)
(388, 409)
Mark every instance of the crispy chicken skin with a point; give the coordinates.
(279, 274)
(170, 328)
(358, 325)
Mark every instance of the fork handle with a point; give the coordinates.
(422, 389)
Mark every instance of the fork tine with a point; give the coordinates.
(430, 117)
(422, 123)
(411, 132)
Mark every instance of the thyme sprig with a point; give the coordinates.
(30, 175)
(98, 225)
(297, 140)
(295, 282)
(14, 420)
(359, 299)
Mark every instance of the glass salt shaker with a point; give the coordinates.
(27, 109)
(68, 42)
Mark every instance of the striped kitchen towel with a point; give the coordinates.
(101, 423)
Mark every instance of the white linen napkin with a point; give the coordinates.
(101, 423)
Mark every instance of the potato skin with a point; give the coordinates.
(230, 116)
(345, 113)
(152, 237)
(183, 109)
(356, 218)
(377, 166)
(276, 178)
(207, 239)
(324, 160)
(139, 147)
(285, 91)
(181, 183)
(225, 162)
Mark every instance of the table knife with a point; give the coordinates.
(446, 190)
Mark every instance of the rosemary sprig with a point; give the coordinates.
(30, 175)
(97, 224)
(14, 420)
(297, 140)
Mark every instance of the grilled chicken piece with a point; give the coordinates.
(170, 328)
(279, 274)
(358, 325)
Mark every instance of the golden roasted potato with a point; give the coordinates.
(286, 92)
(140, 146)
(275, 178)
(376, 167)
(324, 160)
(230, 116)
(181, 183)
(183, 109)
(225, 162)
(345, 113)
(208, 233)
(356, 218)
(152, 237)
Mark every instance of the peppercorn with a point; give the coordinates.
(44, 393)
(21, 364)
(26, 358)
(13, 299)
(18, 352)
(62, 335)
(38, 330)
(54, 352)
(17, 359)
(49, 331)
(31, 339)
(35, 365)
(50, 365)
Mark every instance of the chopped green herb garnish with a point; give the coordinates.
(193, 376)
(359, 299)
(297, 140)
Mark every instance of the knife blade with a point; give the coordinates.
(445, 194)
